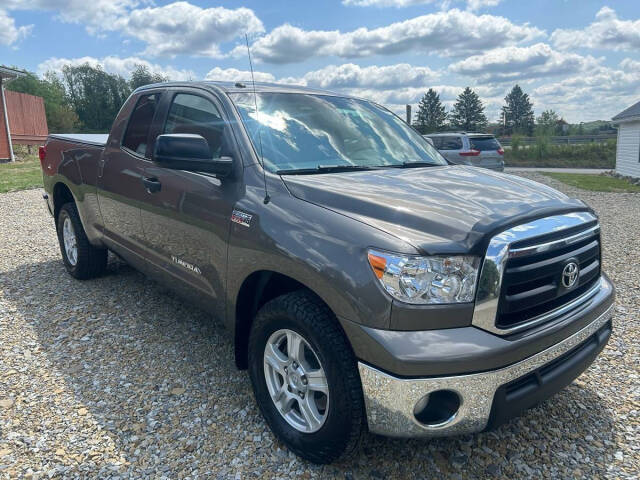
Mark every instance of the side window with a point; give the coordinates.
(197, 115)
(437, 142)
(137, 134)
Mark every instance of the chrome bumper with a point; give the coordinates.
(390, 401)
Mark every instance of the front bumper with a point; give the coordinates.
(486, 398)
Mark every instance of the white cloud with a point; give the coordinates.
(386, 3)
(601, 94)
(176, 28)
(411, 95)
(345, 77)
(607, 32)
(9, 33)
(183, 28)
(235, 75)
(629, 64)
(449, 33)
(349, 75)
(480, 4)
(115, 65)
(522, 63)
(471, 4)
(96, 15)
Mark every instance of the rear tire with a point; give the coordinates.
(339, 426)
(81, 259)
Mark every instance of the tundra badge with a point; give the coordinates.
(186, 265)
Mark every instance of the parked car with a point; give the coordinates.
(477, 149)
(365, 282)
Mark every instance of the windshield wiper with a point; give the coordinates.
(323, 169)
(414, 164)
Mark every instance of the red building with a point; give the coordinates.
(22, 117)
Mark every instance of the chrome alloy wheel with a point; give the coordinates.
(70, 243)
(296, 381)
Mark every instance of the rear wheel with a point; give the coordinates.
(81, 259)
(305, 378)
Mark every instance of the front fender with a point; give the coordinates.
(319, 248)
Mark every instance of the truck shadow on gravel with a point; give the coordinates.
(159, 379)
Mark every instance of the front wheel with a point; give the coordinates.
(305, 378)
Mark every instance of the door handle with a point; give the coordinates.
(152, 185)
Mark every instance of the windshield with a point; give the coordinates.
(301, 131)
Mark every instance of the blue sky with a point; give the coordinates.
(579, 57)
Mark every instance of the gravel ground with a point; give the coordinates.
(116, 377)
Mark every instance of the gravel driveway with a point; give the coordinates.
(116, 377)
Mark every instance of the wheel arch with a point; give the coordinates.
(61, 194)
(257, 289)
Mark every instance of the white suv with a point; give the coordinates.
(477, 149)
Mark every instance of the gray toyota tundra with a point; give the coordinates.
(366, 283)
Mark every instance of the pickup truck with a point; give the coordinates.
(367, 284)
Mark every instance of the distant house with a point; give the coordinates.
(22, 117)
(628, 153)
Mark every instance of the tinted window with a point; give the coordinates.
(447, 143)
(135, 138)
(197, 115)
(484, 143)
(298, 131)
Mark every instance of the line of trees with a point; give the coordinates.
(83, 98)
(467, 114)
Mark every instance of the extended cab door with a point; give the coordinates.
(187, 220)
(121, 188)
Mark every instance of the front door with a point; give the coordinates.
(187, 220)
(121, 190)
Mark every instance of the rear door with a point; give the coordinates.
(187, 220)
(489, 148)
(121, 191)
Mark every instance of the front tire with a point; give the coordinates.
(81, 259)
(305, 378)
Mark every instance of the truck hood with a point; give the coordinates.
(448, 209)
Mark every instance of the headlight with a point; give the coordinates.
(426, 280)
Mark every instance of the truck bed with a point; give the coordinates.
(97, 139)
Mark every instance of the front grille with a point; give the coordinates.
(532, 279)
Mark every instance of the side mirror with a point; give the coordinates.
(187, 151)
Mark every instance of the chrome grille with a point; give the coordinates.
(521, 279)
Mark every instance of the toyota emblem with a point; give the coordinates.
(570, 274)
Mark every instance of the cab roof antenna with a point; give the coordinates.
(267, 198)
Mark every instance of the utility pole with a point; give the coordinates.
(409, 114)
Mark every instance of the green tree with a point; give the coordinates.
(141, 75)
(517, 114)
(547, 123)
(468, 112)
(431, 116)
(60, 114)
(96, 96)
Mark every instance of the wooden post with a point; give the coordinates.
(6, 121)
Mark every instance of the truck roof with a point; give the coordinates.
(245, 86)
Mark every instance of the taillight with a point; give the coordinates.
(470, 153)
(500, 151)
(42, 153)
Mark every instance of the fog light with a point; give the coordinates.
(438, 408)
